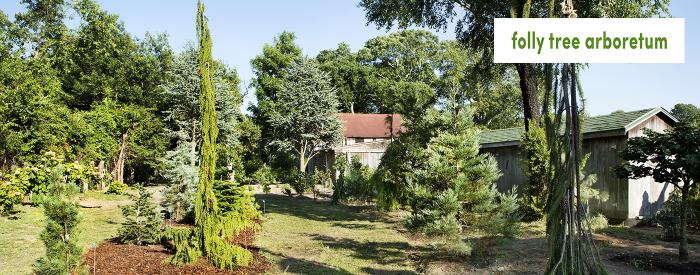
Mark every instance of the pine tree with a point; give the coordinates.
(142, 225)
(59, 234)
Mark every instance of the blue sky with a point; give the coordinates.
(240, 28)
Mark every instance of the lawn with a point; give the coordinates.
(20, 245)
(302, 236)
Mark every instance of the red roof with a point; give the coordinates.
(370, 125)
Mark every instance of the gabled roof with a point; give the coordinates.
(370, 125)
(617, 123)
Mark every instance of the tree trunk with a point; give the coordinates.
(530, 94)
(118, 171)
(193, 143)
(101, 174)
(683, 247)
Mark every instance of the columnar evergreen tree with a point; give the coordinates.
(205, 205)
(211, 229)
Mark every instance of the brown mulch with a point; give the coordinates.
(658, 262)
(114, 258)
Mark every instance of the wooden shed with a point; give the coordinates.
(603, 138)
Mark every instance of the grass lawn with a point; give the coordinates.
(306, 237)
(20, 245)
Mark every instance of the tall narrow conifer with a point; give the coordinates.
(209, 236)
(205, 205)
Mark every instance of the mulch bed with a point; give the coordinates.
(114, 258)
(658, 262)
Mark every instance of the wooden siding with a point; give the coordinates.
(646, 195)
(603, 157)
(508, 159)
(626, 198)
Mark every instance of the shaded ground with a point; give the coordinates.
(303, 236)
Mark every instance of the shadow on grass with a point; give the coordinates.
(323, 211)
(379, 252)
(302, 266)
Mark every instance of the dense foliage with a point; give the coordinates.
(304, 121)
(90, 93)
(455, 186)
(673, 158)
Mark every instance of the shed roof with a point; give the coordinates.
(617, 123)
(370, 125)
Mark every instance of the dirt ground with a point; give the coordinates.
(622, 250)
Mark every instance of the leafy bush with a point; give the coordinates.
(319, 179)
(669, 217)
(286, 189)
(298, 181)
(32, 180)
(117, 188)
(265, 177)
(142, 223)
(10, 194)
(598, 222)
(355, 182)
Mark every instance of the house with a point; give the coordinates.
(603, 138)
(365, 136)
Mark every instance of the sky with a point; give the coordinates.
(240, 29)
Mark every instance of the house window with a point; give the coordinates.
(359, 140)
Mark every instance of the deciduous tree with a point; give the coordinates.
(305, 120)
(671, 157)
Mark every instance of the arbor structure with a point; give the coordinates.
(305, 120)
(671, 157)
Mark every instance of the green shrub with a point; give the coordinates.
(265, 177)
(355, 182)
(457, 248)
(32, 180)
(286, 189)
(598, 222)
(669, 217)
(298, 181)
(142, 223)
(117, 187)
(319, 179)
(433, 214)
(535, 164)
(10, 194)
(236, 200)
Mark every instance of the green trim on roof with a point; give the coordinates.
(621, 122)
